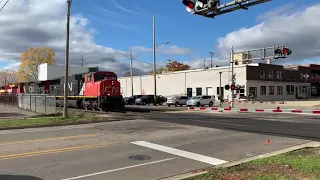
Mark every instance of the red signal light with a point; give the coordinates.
(233, 87)
(188, 3)
(287, 51)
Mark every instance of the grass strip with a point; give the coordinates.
(47, 121)
(299, 164)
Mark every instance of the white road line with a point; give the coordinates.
(189, 155)
(118, 169)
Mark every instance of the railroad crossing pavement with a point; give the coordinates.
(164, 145)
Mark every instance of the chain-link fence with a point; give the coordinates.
(40, 103)
(9, 99)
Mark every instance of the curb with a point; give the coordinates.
(312, 144)
(278, 110)
(66, 124)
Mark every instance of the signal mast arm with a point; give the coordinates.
(212, 8)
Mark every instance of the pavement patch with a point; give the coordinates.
(177, 152)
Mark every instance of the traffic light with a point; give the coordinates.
(233, 87)
(287, 51)
(227, 87)
(189, 5)
(281, 52)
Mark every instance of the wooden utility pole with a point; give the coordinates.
(131, 72)
(66, 66)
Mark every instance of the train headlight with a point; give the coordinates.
(108, 94)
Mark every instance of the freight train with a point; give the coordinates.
(95, 90)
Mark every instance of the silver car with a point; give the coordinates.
(177, 100)
(201, 101)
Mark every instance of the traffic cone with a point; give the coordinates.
(268, 141)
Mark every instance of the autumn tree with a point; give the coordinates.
(173, 66)
(31, 59)
(8, 76)
(177, 66)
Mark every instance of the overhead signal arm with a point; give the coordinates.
(211, 12)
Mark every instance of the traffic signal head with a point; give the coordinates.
(282, 52)
(233, 87)
(287, 51)
(189, 5)
(227, 87)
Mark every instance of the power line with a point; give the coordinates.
(4, 5)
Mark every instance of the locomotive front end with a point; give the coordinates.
(109, 90)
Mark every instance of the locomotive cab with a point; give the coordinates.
(103, 86)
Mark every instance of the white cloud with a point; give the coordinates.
(165, 49)
(298, 30)
(12, 66)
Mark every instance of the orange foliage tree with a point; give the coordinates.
(31, 59)
(8, 76)
(173, 66)
(177, 66)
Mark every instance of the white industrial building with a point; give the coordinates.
(264, 81)
(48, 72)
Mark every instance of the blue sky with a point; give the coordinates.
(173, 24)
(122, 24)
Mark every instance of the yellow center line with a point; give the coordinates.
(52, 151)
(47, 139)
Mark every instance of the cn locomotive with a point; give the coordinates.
(95, 90)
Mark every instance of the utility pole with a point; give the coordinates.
(66, 66)
(131, 73)
(232, 76)
(82, 60)
(169, 64)
(211, 53)
(204, 63)
(154, 59)
(220, 90)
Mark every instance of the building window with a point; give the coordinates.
(270, 74)
(290, 89)
(271, 90)
(279, 90)
(279, 74)
(198, 91)
(262, 73)
(263, 90)
(253, 91)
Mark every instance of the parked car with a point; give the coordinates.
(201, 101)
(131, 100)
(149, 99)
(177, 100)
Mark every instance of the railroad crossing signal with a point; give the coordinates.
(281, 52)
(233, 87)
(227, 87)
(212, 8)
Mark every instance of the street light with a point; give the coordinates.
(154, 58)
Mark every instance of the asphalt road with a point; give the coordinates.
(170, 144)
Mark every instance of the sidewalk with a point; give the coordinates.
(9, 112)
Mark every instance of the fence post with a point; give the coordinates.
(30, 102)
(45, 104)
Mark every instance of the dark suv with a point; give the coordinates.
(149, 99)
(131, 100)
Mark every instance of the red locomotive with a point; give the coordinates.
(95, 90)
